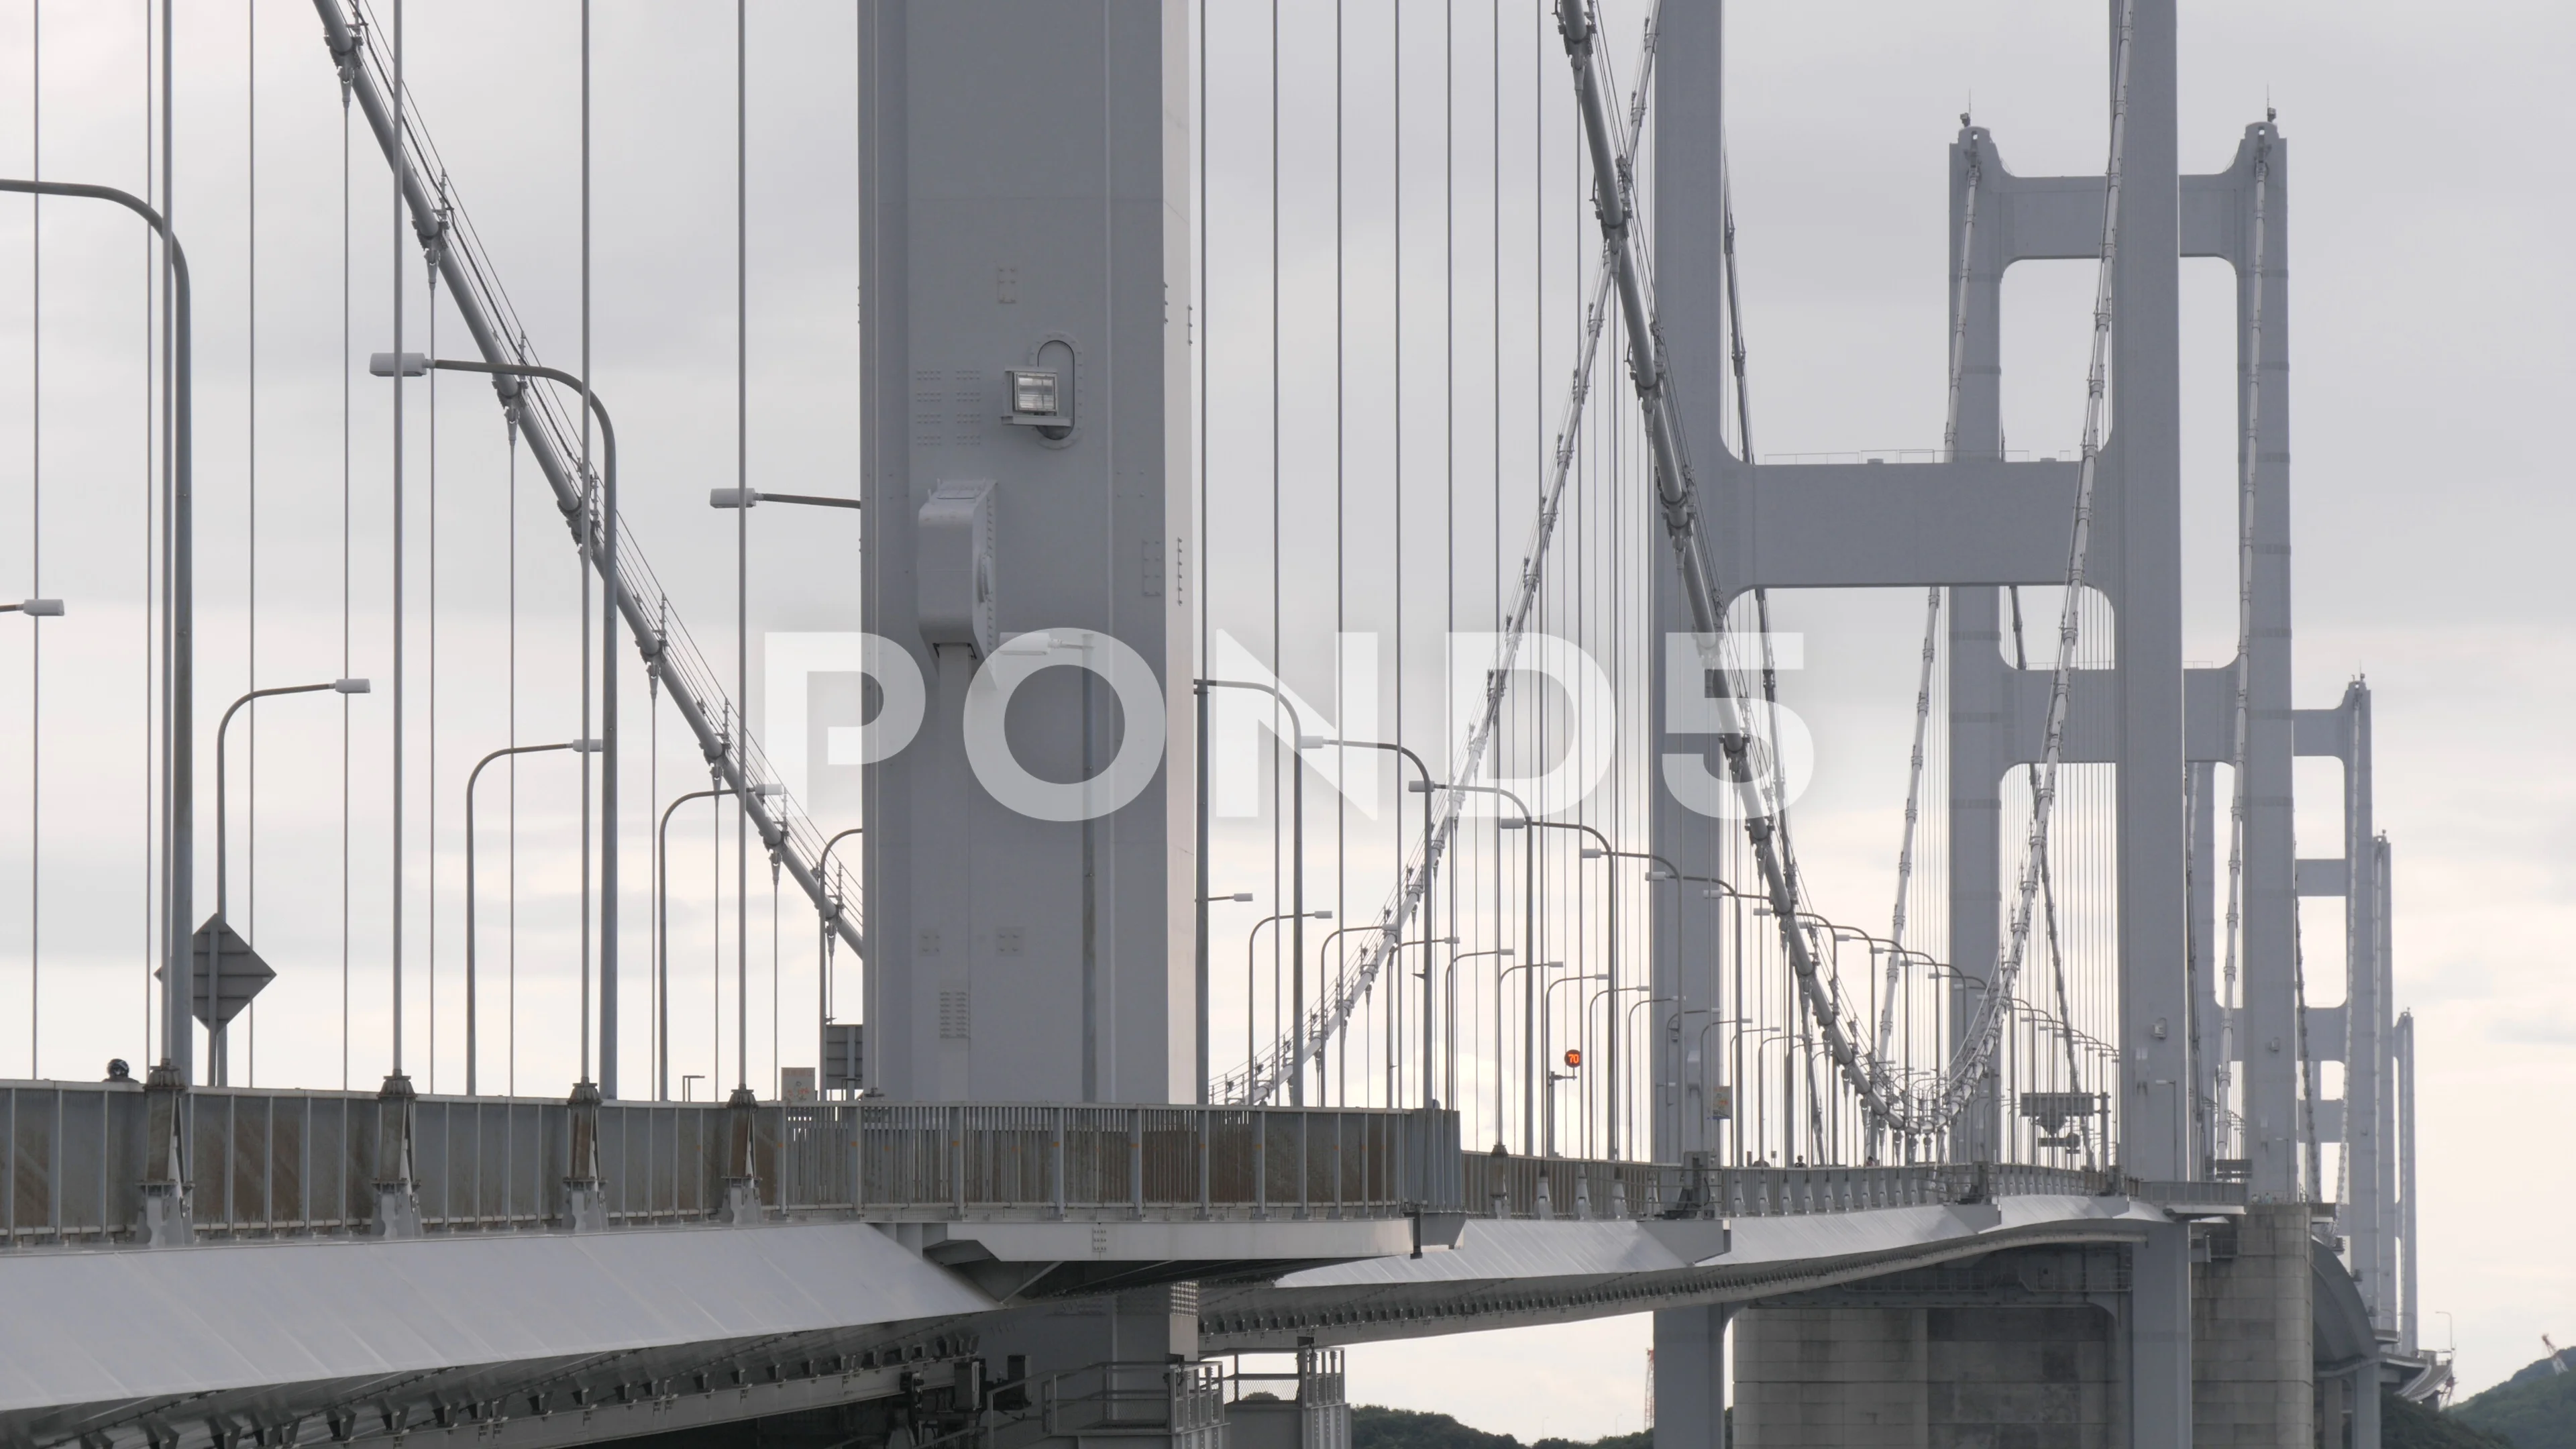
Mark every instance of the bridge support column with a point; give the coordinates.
(1690, 1378)
(2159, 1339)
(2254, 1333)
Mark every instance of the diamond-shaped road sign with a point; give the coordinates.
(238, 973)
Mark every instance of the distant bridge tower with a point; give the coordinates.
(1025, 230)
(1975, 522)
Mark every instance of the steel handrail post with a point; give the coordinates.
(1136, 1160)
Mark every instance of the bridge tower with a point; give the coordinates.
(1977, 522)
(1025, 226)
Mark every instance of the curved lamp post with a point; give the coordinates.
(473, 1012)
(178, 638)
(823, 982)
(216, 1035)
(1296, 893)
(662, 945)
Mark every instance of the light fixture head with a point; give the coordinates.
(403, 364)
(1657, 872)
(1511, 824)
(1417, 787)
(584, 747)
(1312, 742)
(1241, 897)
(348, 686)
(733, 498)
(1319, 915)
(1591, 852)
(41, 608)
(1037, 395)
(768, 788)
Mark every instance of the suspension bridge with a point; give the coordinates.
(1539, 1014)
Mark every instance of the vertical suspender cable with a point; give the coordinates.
(1295, 932)
(1267, 1075)
(590, 541)
(153, 1041)
(1395, 576)
(510, 1072)
(250, 192)
(174, 926)
(402, 107)
(35, 531)
(346, 222)
(742, 541)
(1198, 583)
(429, 313)
(1449, 450)
(1341, 597)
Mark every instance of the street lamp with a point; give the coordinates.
(1658, 871)
(1449, 998)
(1430, 878)
(823, 983)
(1529, 1054)
(1529, 945)
(748, 498)
(213, 934)
(662, 930)
(1250, 939)
(1600, 850)
(35, 608)
(1547, 1038)
(743, 500)
(473, 1055)
(1297, 886)
(178, 633)
(602, 542)
(1326, 945)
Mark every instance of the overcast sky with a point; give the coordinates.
(2430, 483)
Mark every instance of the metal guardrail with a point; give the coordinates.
(277, 1164)
(1510, 1187)
(1143, 1399)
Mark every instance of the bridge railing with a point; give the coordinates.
(266, 1163)
(1513, 1187)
